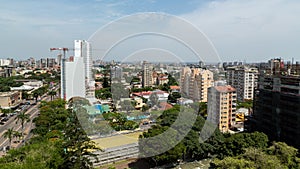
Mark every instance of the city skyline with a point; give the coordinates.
(240, 30)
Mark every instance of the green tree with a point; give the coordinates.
(286, 154)
(130, 125)
(105, 83)
(43, 154)
(52, 93)
(18, 135)
(145, 108)
(237, 143)
(9, 135)
(6, 111)
(172, 81)
(187, 148)
(53, 116)
(172, 98)
(77, 146)
(103, 93)
(23, 118)
(25, 95)
(258, 158)
(36, 94)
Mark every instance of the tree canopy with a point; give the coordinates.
(59, 142)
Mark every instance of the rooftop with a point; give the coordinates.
(174, 87)
(5, 94)
(225, 89)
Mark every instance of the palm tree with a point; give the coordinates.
(25, 95)
(36, 95)
(23, 118)
(18, 135)
(6, 111)
(9, 134)
(52, 93)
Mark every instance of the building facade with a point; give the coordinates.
(116, 73)
(147, 74)
(221, 106)
(77, 72)
(10, 99)
(244, 79)
(277, 107)
(83, 49)
(74, 79)
(195, 82)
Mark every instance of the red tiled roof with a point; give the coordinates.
(165, 106)
(174, 87)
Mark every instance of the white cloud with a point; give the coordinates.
(252, 30)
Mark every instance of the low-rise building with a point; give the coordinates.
(10, 99)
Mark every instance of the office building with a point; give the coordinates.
(221, 106)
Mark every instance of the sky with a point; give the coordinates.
(239, 30)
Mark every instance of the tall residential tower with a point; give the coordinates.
(243, 79)
(195, 82)
(221, 106)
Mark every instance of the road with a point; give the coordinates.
(12, 123)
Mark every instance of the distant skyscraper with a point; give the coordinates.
(116, 73)
(221, 106)
(147, 74)
(78, 74)
(50, 62)
(84, 49)
(75, 78)
(58, 61)
(4, 62)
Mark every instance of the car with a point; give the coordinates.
(2, 123)
(4, 119)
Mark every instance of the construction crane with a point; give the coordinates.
(63, 71)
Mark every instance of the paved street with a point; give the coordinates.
(32, 112)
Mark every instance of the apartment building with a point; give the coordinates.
(277, 104)
(243, 79)
(221, 106)
(195, 83)
(147, 74)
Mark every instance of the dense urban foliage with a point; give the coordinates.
(278, 155)
(242, 150)
(7, 82)
(59, 142)
(119, 121)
